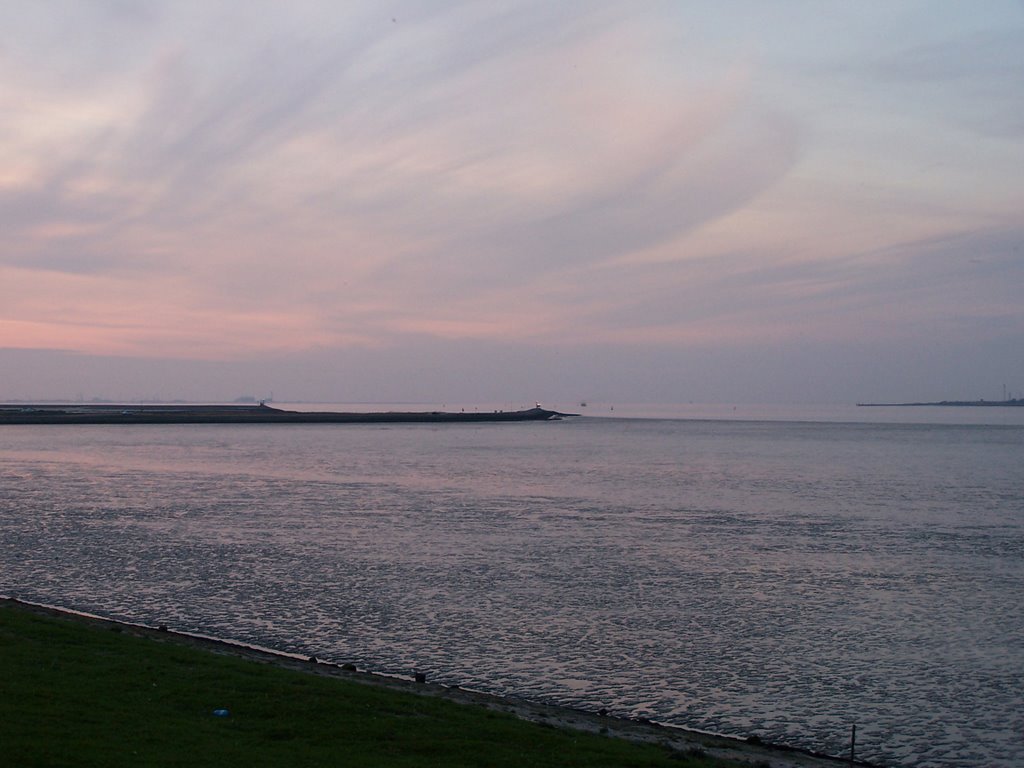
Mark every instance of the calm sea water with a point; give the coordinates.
(785, 578)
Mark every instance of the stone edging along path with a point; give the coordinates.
(749, 751)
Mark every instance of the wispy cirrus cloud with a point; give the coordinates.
(224, 181)
(392, 163)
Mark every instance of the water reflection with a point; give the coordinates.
(784, 580)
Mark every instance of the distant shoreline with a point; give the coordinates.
(1015, 403)
(247, 414)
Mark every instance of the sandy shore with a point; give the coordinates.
(680, 739)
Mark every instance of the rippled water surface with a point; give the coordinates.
(784, 579)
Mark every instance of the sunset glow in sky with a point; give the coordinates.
(817, 201)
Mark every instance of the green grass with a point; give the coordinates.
(76, 694)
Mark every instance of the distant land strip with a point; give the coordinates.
(1015, 403)
(247, 414)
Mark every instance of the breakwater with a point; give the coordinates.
(249, 414)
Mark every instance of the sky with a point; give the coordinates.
(498, 201)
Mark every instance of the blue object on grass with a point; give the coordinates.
(221, 713)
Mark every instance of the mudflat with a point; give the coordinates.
(82, 690)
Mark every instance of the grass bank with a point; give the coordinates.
(78, 693)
